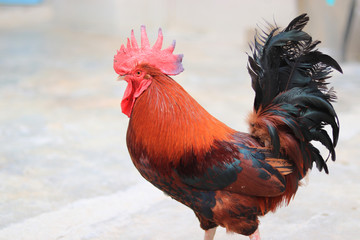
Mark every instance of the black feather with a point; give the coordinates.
(274, 140)
(322, 136)
(289, 77)
(318, 159)
(298, 23)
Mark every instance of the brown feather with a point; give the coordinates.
(166, 113)
(282, 165)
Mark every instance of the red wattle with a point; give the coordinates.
(127, 101)
(131, 93)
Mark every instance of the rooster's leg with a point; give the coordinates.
(210, 233)
(255, 235)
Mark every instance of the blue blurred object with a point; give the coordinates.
(330, 2)
(22, 2)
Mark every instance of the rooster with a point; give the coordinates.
(226, 177)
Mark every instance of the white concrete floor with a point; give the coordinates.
(64, 168)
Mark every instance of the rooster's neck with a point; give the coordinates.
(167, 125)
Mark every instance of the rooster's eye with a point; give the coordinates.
(138, 73)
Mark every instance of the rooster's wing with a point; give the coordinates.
(246, 172)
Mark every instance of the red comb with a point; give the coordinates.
(127, 58)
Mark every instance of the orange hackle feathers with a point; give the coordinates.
(260, 120)
(175, 123)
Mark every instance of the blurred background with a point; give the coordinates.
(65, 172)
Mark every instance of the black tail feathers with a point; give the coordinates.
(289, 78)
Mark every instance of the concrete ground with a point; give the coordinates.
(64, 168)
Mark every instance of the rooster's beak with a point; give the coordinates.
(121, 77)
